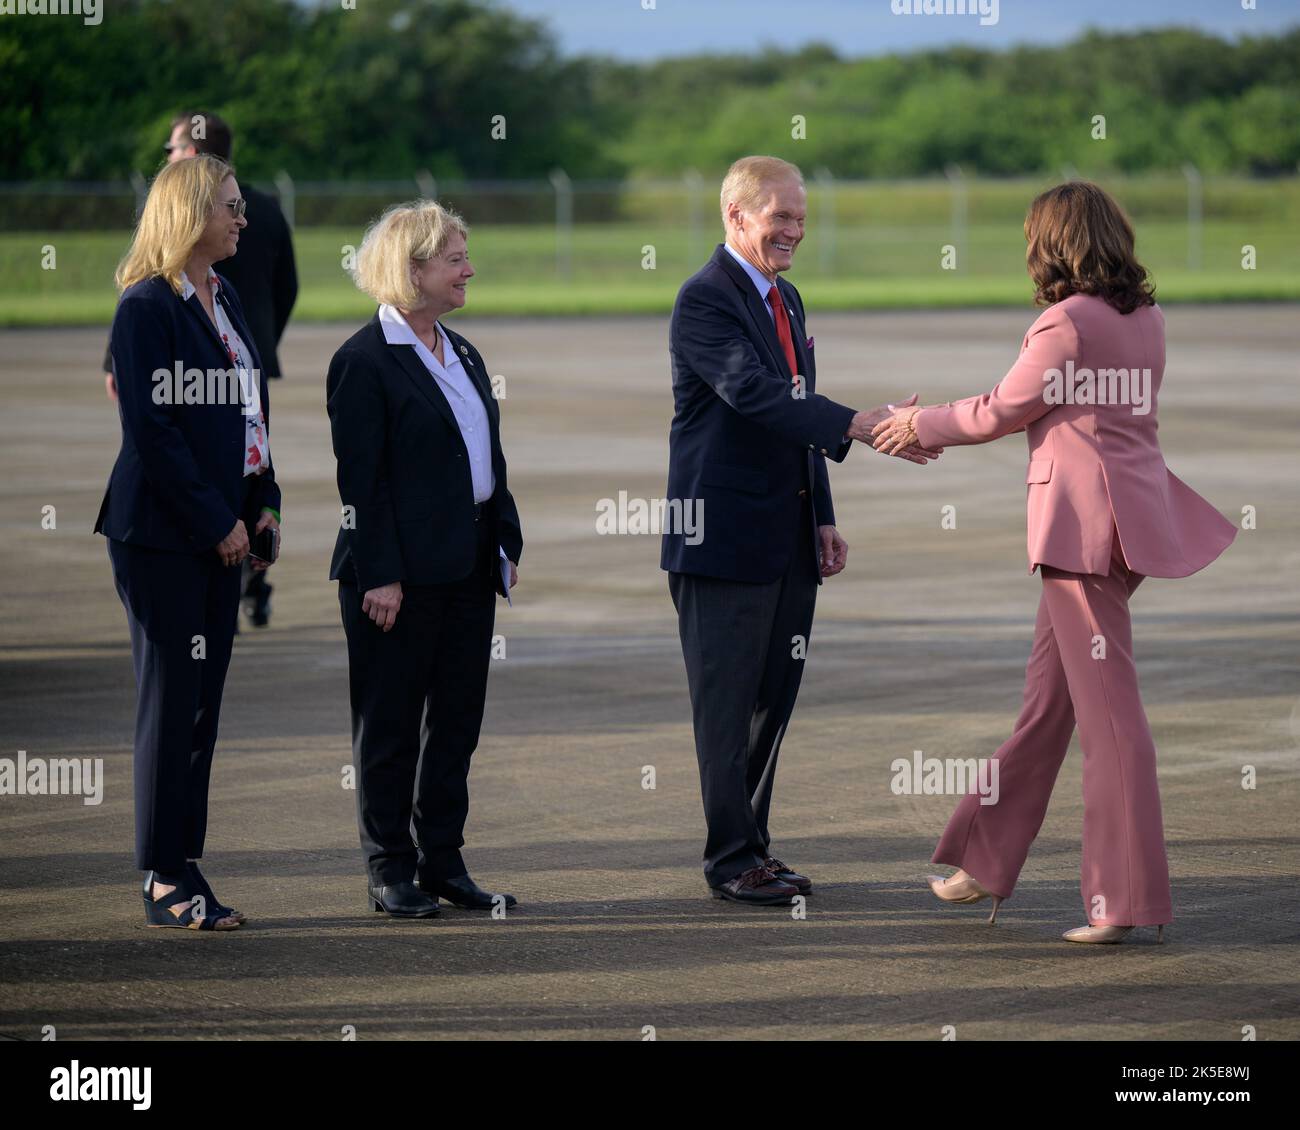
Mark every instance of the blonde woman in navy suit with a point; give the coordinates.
(433, 533)
(190, 483)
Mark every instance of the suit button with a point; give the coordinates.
(823, 451)
(803, 494)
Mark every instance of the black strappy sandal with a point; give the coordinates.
(219, 907)
(158, 911)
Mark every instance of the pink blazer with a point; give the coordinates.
(1094, 465)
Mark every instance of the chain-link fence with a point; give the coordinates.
(627, 245)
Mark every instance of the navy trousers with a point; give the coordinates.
(743, 645)
(181, 611)
(418, 693)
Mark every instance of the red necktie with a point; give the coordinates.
(783, 330)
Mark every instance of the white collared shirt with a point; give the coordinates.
(461, 393)
(257, 444)
(761, 282)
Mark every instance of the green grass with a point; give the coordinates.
(871, 265)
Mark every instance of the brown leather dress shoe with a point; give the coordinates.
(759, 886)
(801, 883)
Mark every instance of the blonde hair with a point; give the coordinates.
(417, 229)
(178, 208)
(747, 178)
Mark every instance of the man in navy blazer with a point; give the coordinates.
(747, 461)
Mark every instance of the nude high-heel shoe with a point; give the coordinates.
(1106, 935)
(964, 890)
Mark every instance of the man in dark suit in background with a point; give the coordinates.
(747, 462)
(263, 274)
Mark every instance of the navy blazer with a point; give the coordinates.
(741, 444)
(178, 483)
(403, 468)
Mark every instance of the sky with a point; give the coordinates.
(627, 30)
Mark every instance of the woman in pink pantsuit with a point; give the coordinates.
(1104, 512)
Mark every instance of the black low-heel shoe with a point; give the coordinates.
(177, 909)
(403, 900)
(214, 903)
(463, 892)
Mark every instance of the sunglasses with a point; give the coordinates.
(238, 207)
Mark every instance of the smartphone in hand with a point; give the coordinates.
(265, 546)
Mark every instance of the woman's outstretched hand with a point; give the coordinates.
(896, 435)
(866, 426)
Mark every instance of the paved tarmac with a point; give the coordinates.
(921, 644)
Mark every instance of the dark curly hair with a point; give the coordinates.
(1080, 242)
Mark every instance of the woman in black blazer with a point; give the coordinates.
(192, 478)
(429, 537)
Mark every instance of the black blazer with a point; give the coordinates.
(264, 274)
(178, 483)
(740, 442)
(403, 468)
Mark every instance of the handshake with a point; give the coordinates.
(889, 430)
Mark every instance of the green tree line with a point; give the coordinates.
(395, 86)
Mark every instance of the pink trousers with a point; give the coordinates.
(1080, 671)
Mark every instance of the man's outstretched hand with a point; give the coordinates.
(864, 424)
